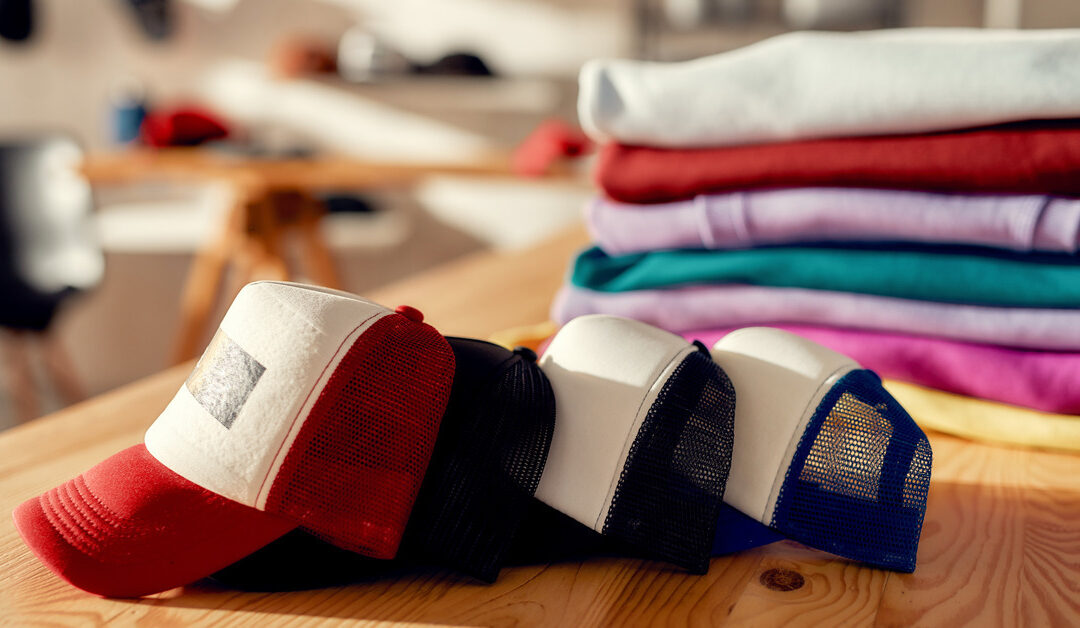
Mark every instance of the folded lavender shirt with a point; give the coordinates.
(701, 307)
(751, 218)
(1042, 380)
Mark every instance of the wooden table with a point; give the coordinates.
(273, 198)
(1000, 546)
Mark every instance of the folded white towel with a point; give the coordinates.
(811, 84)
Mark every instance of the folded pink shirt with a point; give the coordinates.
(1042, 380)
(731, 305)
(782, 216)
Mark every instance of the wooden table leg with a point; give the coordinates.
(61, 368)
(318, 261)
(253, 240)
(262, 254)
(203, 282)
(20, 375)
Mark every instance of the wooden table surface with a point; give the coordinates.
(334, 172)
(1000, 545)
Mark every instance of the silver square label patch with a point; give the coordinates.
(224, 378)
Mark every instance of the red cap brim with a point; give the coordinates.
(130, 527)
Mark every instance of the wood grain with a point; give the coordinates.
(1001, 541)
(826, 591)
(1001, 544)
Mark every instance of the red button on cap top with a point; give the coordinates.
(410, 313)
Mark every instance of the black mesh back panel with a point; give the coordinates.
(857, 483)
(487, 463)
(672, 485)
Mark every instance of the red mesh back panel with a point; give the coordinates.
(353, 473)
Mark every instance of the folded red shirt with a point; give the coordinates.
(1021, 158)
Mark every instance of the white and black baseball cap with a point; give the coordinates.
(643, 437)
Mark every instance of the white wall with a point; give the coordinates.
(62, 78)
(538, 37)
(82, 49)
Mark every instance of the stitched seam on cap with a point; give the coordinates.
(292, 309)
(797, 434)
(290, 435)
(632, 433)
(81, 518)
(116, 526)
(63, 528)
(101, 510)
(77, 518)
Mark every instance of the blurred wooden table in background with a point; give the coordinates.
(273, 199)
(1000, 545)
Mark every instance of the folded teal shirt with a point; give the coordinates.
(951, 275)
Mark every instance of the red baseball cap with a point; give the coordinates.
(311, 408)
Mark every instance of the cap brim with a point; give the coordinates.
(736, 532)
(130, 527)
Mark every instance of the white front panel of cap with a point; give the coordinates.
(779, 380)
(230, 424)
(603, 370)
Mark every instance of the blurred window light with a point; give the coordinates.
(1002, 13)
(217, 6)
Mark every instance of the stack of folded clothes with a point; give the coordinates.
(904, 197)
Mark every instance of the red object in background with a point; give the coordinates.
(1017, 158)
(302, 56)
(183, 126)
(550, 142)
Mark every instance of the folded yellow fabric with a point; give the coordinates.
(531, 336)
(979, 419)
(968, 417)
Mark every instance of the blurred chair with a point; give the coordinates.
(48, 253)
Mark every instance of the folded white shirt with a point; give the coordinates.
(807, 85)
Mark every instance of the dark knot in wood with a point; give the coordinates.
(782, 579)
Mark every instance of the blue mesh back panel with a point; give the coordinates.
(857, 483)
